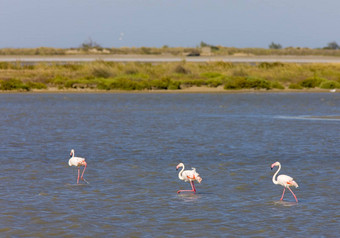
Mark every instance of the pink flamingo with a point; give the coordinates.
(77, 161)
(284, 180)
(188, 175)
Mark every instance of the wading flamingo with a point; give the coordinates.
(77, 161)
(188, 176)
(284, 180)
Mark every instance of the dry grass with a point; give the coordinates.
(135, 75)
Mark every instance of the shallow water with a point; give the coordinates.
(133, 142)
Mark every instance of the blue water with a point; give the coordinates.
(132, 144)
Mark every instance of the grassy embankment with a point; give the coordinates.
(167, 76)
(174, 51)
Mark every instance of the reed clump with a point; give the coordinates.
(167, 76)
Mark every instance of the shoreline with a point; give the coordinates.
(188, 90)
(35, 59)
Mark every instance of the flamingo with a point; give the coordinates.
(77, 161)
(284, 180)
(188, 175)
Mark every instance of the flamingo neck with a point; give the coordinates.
(180, 173)
(275, 181)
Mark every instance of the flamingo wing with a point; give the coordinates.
(191, 175)
(286, 181)
(76, 161)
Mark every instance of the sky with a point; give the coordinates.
(172, 23)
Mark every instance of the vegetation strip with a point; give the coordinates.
(101, 75)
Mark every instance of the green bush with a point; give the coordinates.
(59, 80)
(294, 86)
(311, 82)
(329, 84)
(235, 83)
(124, 83)
(277, 85)
(249, 82)
(192, 82)
(35, 85)
(160, 83)
(174, 85)
(69, 83)
(257, 83)
(13, 84)
(215, 82)
(164, 83)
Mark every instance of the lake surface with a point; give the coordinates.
(132, 144)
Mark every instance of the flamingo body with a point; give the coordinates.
(188, 176)
(284, 180)
(77, 162)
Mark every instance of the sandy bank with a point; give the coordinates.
(195, 89)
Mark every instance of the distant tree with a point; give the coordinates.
(90, 44)
(332, 46)
(275, 46)
(203, 44)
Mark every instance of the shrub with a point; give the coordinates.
(294, 86)
(59, 80)
(250, 82)
(257, 83)
(181, 70)
(311, 82)
(329, 84)
(69, 83)
(174, 85)
(35, 85)
(277, 85)
(13, 84)
(165, 83)
(214, 82)
(235, 83)
(192, 82)
(125, 83)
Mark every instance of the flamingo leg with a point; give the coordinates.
(78, 175)
(293, 194)
(192, 186)
(284, 189)
(82, 175)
